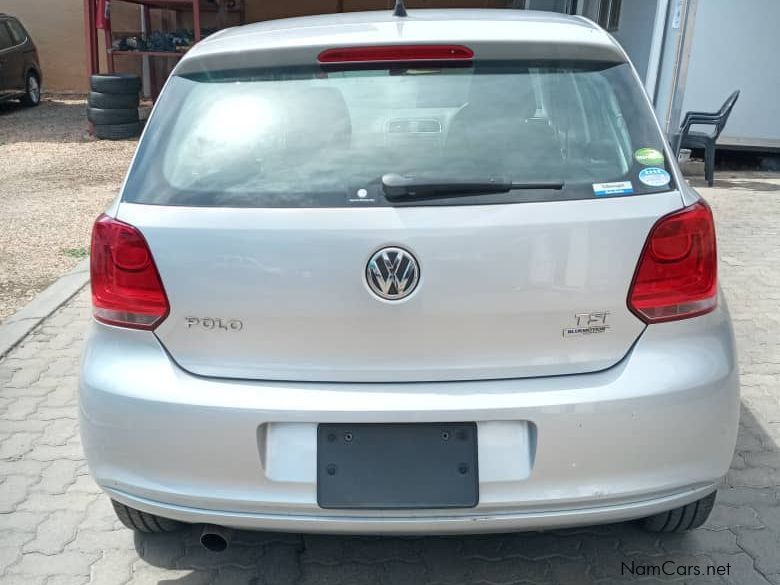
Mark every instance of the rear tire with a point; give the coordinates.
(32, 95)
(115, 83)
(144, 522)
(113, 101)
(100, 116)
(681, 519)
(118, 131)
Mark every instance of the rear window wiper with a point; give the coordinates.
(400, 187)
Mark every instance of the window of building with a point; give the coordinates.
(609, 14)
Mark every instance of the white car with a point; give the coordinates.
(429, 273)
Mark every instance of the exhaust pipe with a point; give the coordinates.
(215, 538)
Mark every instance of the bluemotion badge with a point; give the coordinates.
(654, 177)
(649, 156)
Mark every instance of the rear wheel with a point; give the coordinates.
(681, 519)
(32, 95)
(144, 522)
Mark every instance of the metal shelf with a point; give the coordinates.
(177, 6)
(176, 54)
(180, 5)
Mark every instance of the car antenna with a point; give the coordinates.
(400, 9)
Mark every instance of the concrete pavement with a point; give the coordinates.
(56, 528)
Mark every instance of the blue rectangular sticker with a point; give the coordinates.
(616, 188)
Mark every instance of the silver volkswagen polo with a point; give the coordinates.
(432, 273)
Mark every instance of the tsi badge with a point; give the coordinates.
(588, 324)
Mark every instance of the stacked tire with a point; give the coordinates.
(113, 106)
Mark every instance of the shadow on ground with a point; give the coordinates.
(603, 554)
(737, 184)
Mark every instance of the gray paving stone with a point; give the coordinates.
(89, 540)
(58, 476)
(570, 571)
(8, 556)
(100, 515)
(534, 546)
(150, 575)
(56, 528)
(22, 407)
(763, 545)
(380, 550)
(24, 377)
(749, 496)
(13, 490)
(729, 517)
(59, 432)
(12, 447)
(711, 541)
(506, 571)
(19, 523)
(67, 580)
(398, 572)
(741, 569)
(115, 566)
(42, 502)
(20, 467)
(68, 563)
(83, 484)
(47, 453)
(23, 580)
(280, 565)
(55, 532)
(236, 576)
(343, 573)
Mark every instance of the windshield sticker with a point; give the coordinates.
(649, 156)
(361, 196)
(654, 177)
(616, 188)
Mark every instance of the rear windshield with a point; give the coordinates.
(313, 137)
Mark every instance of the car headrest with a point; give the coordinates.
(509, 94)
(318, 116)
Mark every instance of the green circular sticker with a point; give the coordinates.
(649, 156)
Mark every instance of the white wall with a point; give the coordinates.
(635, 31)
(736, 45)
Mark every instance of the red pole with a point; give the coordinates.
(90, 37)
(196, 19)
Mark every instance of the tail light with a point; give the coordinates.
(677, 274)
(126, 287)
(396, 53)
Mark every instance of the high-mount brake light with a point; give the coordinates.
(677, 273)
(126, 287)
(396, 54)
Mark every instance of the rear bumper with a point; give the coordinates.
(441, 523)
(654, 432)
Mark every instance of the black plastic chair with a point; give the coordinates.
(694, 139)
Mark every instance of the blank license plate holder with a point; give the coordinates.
(397, 465)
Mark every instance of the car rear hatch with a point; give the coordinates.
(261, 197)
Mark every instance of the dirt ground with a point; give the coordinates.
(54, 181)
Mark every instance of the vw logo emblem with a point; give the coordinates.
(392, 273)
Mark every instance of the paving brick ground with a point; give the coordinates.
(56, 528)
